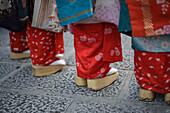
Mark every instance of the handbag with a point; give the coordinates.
(9, 16)
(107, 11)
(45, 16)
(25, 9)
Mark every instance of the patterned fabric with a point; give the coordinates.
(9, 16)
(59, 43)
(152, 71)
(70, 11)
(149, 17)
(46, 16)
(105, 9)
(42, 45)
(96, 46)
(152, 44)
(89, 20)
(18, 41)
(124, 20)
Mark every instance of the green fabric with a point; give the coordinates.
(124, 21)
(155, 44)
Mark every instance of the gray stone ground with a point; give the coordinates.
(21, 92)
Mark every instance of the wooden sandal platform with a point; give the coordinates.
(167, 98)
(99, 83)
(14, 55)
(81, 82)
(146, 95)
(40, 71)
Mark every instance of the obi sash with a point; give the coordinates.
(70, 11)
(149, 17)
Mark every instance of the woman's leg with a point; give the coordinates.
(59, 44)
(152, 73)
(18, 45)
(89, 49)
(42, 47)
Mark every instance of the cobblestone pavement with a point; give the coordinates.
(22, 92)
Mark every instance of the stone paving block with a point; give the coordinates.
(5, 56)
(71, 59)
(167, 111)
(111, 91)
(125, 41)
(4, 41)
(68, 53)
(128, 62)
(99, 107)
(60, 83)
(133, 93)
(5, 68)
(3, 31)
(4, 37)
(68, 40)
(12, 102)
(68, 50)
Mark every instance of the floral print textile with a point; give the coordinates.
(96, 46)
(107, 11)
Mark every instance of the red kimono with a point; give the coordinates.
(44, 45)
(96, 46)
